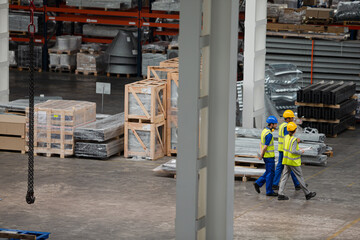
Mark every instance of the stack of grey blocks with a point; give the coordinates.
(100, 139)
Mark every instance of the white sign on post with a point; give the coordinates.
(103, 88)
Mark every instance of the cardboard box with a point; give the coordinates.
(12, 143)
(13, 125)
(319, 13)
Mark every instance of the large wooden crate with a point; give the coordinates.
(172, 63)
(145, 101)
(55, 122)
(159, 73)
(145, 140)
(12, 132)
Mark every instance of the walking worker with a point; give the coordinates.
(289, 117)
(267, 152)
(292, 162)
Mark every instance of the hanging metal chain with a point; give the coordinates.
(30, 198)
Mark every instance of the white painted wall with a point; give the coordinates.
(4, 51)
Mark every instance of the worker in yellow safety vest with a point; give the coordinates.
(267, 153)
(289, 117)
(292, 162)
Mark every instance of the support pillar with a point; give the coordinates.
(254, 63)
(4, 51)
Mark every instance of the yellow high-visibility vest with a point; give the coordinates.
(291, 159)
(270, 151)
(281, 136)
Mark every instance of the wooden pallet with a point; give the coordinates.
(329, 153)
(152, 106)
(175, 47)
(337, 37)
(154, 51)
(278, 27)
(18, 33)
(54, 125)
(317, 105)
(272, 19)
(58, 51)
(320, 120)
(317, 21)
(87, 72)
(28, 69)
(247, 178)
(152, 148)
(108, 74)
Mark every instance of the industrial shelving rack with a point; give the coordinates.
(139, 17)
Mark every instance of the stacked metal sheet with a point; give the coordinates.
(333, 60)
(282, 83)
(121, 54)
(24, 56)
(166, 5)
(328, 107)
(109, 4)
(100, 139)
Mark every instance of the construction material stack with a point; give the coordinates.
(145, 116)
(63, 56)
(55, 122)
(12, 132)
(90, 60)
(328, 106)
(100, 139)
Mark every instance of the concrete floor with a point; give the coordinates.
(124, 199)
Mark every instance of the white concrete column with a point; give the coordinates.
(254, 63)
(4, 51)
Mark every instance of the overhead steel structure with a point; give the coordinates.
(4, 51)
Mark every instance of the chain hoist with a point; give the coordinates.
(30, 198)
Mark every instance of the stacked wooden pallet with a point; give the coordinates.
(12, 132)
(54, 125)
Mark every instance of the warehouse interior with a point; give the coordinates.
(147, 125)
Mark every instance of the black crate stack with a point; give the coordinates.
(328, 107)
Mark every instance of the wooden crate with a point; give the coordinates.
(172, 63)
(171, 133)
(145, 140)
(145, 101)
(159, 73)
(55, 122)
(12, 132)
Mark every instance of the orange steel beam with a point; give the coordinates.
(97, 40)
(18, 7)
(167, 32)
(159, 15)
(23, 39)
(94, 19)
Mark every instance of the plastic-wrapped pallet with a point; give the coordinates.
(24, 56)
(12, 59)
(19, 22)
(68, 43)
(102, 150)
(55, 122)
(292, 16)
(166, 5)
(151, 59)
(102, 130)
(160, 46)
(348, 11)
(90, 62)
(273, 10)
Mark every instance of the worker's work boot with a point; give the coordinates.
(297, 188)
(274, 194)
(282, 197)
(257, 187)
(310, 195)
(274, 187)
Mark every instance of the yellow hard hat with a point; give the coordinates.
(291, 126)
(288, 114)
